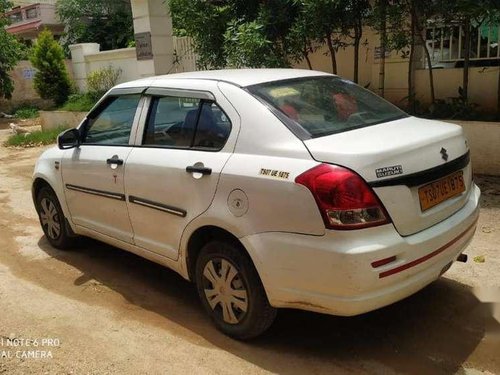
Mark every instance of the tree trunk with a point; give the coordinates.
(358, 33)
(356, 61)
(465, 85)
(308, 60)
(429, 65)
(498, 96)
(421, 31)
(332, 53)
(383, 39)
(411, 66)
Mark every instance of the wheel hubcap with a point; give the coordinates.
(50, 218)
(225, 291)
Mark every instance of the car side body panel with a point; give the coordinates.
(85, 168)
(162, 196)
(266, 160)
(48, 169)
(260, 176)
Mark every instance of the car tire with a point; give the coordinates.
(52, 219)
(231, 291)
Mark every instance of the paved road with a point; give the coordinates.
(110, 312)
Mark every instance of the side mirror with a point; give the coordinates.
(68, 139)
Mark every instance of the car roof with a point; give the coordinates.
(239, 77)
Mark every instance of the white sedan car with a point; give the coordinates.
(267, 188)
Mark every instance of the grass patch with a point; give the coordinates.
(35, 139)
(79, 103)
(26, 113)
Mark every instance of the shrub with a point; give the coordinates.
(51, 80)
(79, 103)
(26, 112)
(456, 108)
(37, 138)
(100, 81)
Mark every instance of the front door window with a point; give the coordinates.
(113, 123)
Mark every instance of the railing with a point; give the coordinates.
(185, 58)
(23, 14)
(446, 44)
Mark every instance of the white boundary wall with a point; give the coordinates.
(87, 58)
(484, 143)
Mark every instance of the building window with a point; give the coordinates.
(32, 13)
(16, 17)
(446, 46)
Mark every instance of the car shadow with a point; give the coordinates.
(434, 331)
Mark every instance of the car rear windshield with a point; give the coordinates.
(326, 105)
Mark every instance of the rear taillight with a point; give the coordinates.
(343, 197)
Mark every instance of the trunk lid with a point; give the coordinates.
(399, 157)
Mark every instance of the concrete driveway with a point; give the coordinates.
(100, 310)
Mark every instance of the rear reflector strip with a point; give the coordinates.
(427, 257)
(383, 262)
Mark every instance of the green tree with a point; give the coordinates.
(357, 13)
(421, 11)
(107, 22)
(301, 40)
(51, 79)
(327, 22)
(330, 22)
(408, 38)
(259, 36)
(206, 23)
(237, 32)
(246, 45)
(389, 20)
(10, 53)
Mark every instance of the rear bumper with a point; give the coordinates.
(333, 273)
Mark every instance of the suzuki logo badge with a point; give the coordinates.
(444, 154)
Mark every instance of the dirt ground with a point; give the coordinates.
(111, 312)
(4, 123)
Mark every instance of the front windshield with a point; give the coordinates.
(327, 105)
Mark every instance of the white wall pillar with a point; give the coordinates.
(153, 16)
(80, 66)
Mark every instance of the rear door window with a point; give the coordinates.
(177, 122)
(213, 127)
(171, 122)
